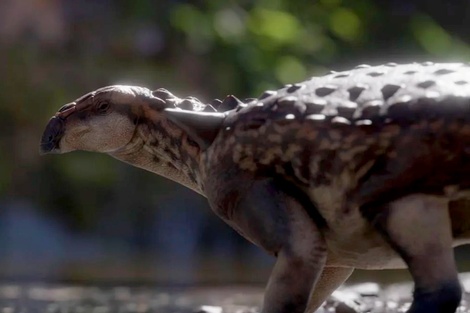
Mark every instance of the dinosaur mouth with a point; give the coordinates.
(52, 135)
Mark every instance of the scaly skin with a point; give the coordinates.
(362, 169)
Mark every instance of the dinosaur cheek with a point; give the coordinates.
(73, 140)
(110, 133)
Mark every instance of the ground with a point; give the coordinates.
(60, 298)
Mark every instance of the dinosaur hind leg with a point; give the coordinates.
(330, 279)
(418, 227)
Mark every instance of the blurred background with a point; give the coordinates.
(87, 217)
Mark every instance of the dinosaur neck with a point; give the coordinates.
(163, 148)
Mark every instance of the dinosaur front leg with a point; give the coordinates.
(268, 217)
(418, 228)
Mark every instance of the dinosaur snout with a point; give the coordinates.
(51, 137)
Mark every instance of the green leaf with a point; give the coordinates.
(229, 25)
(345, 24)
(279, 27)
(290, 69)
(431, 36)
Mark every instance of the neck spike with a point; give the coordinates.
(202, 127)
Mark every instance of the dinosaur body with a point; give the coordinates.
(361, 169)
(349, 142)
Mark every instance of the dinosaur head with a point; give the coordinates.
(106, 119)
(102, 121)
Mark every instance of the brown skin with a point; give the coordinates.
(97, 122)
(323, 195)
(120, 128)
(120, 121)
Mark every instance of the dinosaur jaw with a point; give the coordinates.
(50, 141)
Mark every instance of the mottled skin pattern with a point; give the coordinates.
(362, 169)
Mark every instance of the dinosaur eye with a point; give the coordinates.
(103, 107)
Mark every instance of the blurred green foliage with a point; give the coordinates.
(203, 48)
(206, 48)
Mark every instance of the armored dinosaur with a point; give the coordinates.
(364, 169)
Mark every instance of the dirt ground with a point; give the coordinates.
(49, 298)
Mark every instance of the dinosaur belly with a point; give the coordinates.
(375, 258)
(353, 242)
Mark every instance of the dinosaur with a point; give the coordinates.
(367, 168)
